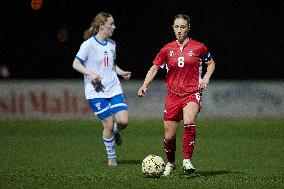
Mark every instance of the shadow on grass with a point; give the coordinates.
(129, 161)
(211, 173)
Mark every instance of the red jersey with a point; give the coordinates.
(184, 65)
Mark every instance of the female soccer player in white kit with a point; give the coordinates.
(95, 59)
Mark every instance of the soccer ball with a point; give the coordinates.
(153, 166)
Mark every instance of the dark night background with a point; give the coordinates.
(245, 38)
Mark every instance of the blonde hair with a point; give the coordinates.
(100, 19)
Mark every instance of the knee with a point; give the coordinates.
(108, 127)
(170, 136)
(189, 122)
(122, 124)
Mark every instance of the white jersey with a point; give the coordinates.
(99, 57)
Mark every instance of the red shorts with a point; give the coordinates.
(175, 105)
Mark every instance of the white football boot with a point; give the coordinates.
(187, 166)
(112, 162)
(168, 169)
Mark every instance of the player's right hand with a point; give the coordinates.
(95, 78)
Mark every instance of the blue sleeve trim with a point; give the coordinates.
(207, 57)
(80, 60)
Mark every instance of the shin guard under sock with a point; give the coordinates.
(170, 149)
(110, 147)
(189, 134)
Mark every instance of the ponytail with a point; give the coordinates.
(88, 33)
(99, 20)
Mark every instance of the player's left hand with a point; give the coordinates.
(142, 91)
(203, 84)
(126, 75)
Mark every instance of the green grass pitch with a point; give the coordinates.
(244, 154)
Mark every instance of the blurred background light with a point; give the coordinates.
(36, 4)
(62, 35)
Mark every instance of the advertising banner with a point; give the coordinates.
(65, 99)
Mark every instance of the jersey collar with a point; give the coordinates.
(103, 44)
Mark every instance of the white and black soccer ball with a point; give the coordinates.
(153, 166)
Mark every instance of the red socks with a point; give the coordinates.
(189, 133)
(170, 149)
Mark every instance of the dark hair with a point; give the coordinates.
(183, 16)
(100, 19)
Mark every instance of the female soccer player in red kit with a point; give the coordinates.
(183, 59)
